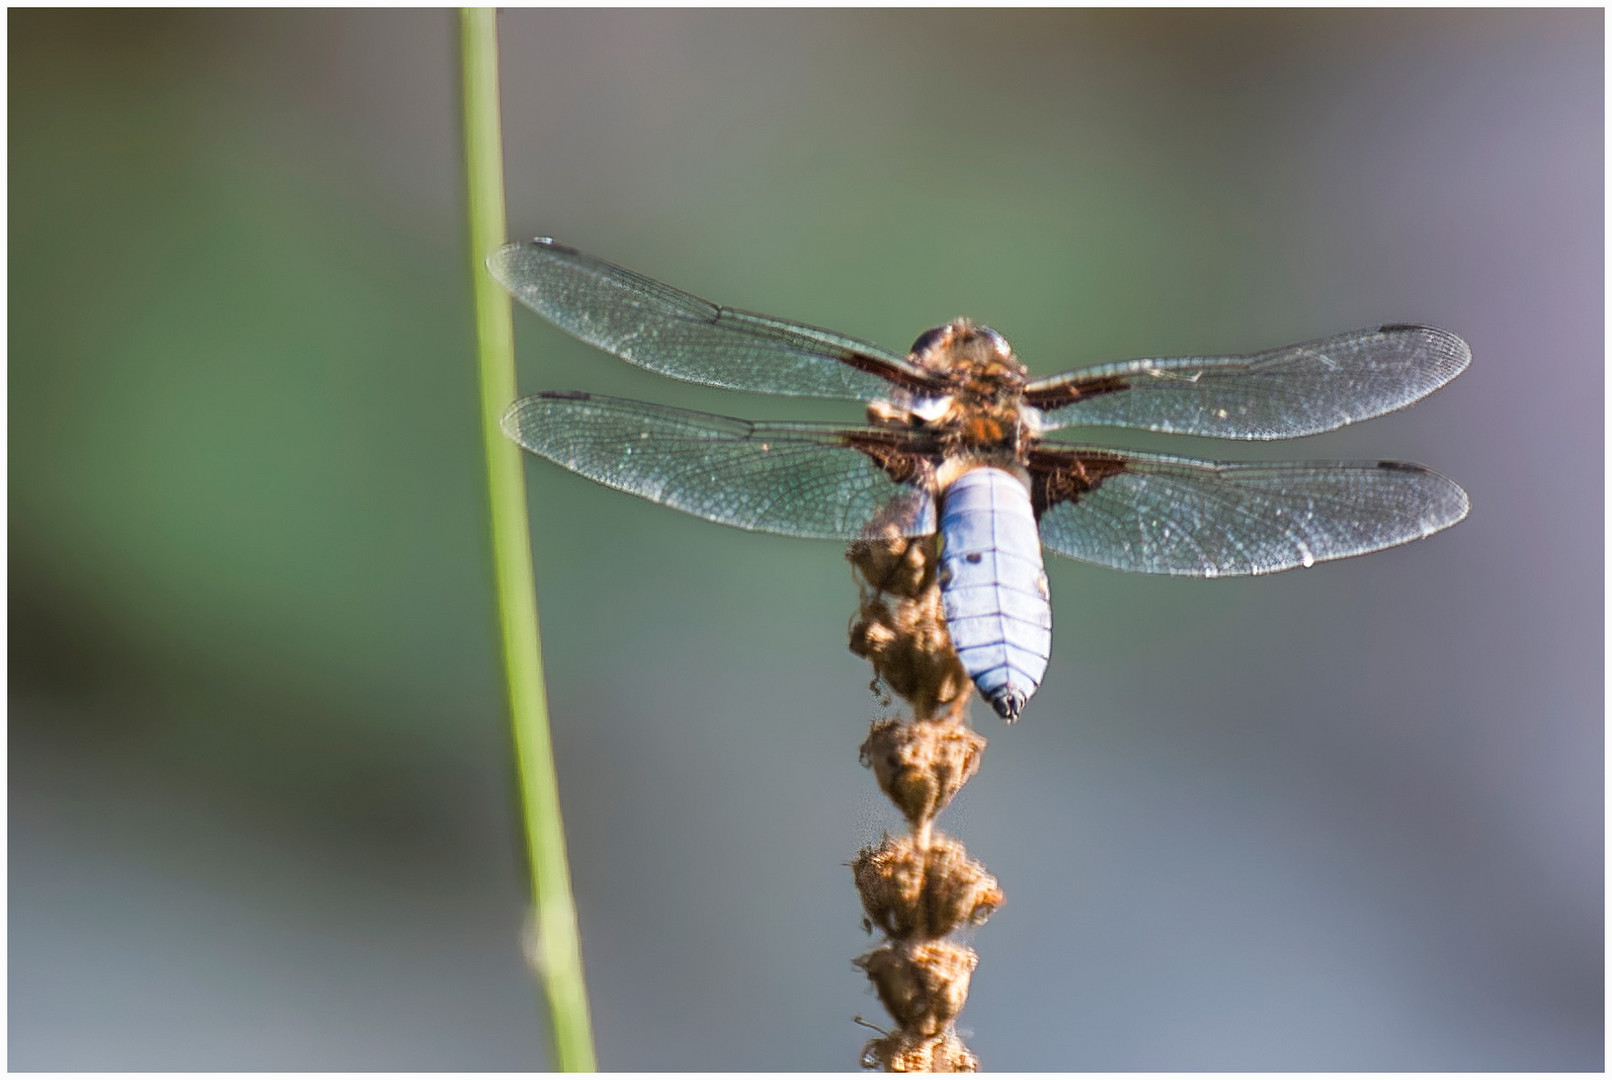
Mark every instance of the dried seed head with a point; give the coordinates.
(901, 1051)
(901, 565)
(874, 633)
(923, 984)
(910, 892)
(909, 649)
(921, 767)
(957, 889)
(901, 627)
(890, 879)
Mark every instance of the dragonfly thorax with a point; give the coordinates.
(981, 412)
(997, 432)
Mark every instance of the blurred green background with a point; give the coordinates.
(260, 800)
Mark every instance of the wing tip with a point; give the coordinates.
(1451, 350)
(1460, 505)
(500, 258)
(1452, 503)
(509, 422)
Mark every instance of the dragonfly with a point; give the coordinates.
(955, 442)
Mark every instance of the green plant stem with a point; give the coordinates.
(557, 952)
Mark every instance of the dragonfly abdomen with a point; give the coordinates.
(994, 587)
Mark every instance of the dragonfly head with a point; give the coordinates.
(971, 356)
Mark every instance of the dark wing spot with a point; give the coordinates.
(1073, 389)
(1058, 476)
(893, 375)
(565, 395)
(903, 456)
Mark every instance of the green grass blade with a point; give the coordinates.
(557, 952)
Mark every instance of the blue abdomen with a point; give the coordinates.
(994, 586)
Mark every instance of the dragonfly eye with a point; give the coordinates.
(998, 342)
(928, 340)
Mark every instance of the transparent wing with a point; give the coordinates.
(1168, 515)
(813, 480)
(673, 333)
(1297, 390)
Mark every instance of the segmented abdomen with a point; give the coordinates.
(994, 586)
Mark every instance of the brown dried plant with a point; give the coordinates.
(919, 888)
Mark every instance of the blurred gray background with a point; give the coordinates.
(260, 800)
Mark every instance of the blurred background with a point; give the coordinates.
(260, 781)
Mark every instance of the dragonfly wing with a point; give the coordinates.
(812, 480)
(674, 333)
(1280, 394)
(1169, 515)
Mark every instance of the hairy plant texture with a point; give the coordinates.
(920, 888)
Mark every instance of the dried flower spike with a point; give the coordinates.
(920, 887)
